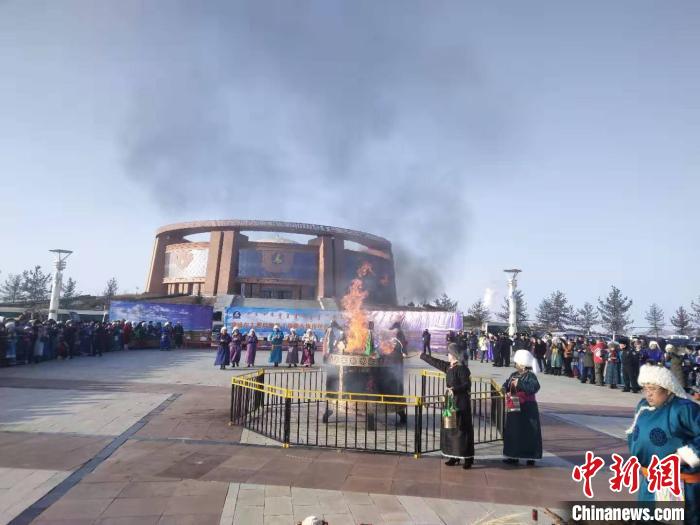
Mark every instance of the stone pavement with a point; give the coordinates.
(145, 435)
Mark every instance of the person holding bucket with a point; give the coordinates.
(522, 435)
(457, 431)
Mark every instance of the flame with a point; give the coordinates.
(355, 315)
(386, 346)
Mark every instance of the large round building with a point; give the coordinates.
(230, 263)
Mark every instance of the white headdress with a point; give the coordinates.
(659, 376)
(526, 359)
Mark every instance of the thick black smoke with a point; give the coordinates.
(369, 115)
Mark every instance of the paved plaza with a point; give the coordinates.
(143, 437)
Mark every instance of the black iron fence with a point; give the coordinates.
(293, 407)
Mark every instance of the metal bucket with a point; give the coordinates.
(449, 422)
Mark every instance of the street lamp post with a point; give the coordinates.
(60, 264)
(512, 306)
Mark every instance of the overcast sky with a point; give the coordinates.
(561, 138)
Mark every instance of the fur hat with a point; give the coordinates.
(660, 376)
(526, 359)
(675, 350)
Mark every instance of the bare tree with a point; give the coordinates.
(111, 289)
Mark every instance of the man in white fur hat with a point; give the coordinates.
(666, 422)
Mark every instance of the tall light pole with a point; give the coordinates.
(60, 264)
(512, 306)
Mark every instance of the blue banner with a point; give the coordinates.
(412, 322)
(192, 317)
(264, 319)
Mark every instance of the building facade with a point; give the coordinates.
(231, 263)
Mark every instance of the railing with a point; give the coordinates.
(294, 408)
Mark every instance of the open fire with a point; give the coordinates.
(357, 318)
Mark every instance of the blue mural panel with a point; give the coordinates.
(286, 265)
(193, 317)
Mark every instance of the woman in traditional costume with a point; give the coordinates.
(293, 342)
(456, 443)
(276, 339)
(236, 346)
(308, 349)
(522, 434)
(251, 345)
(666, 422)
(612, 368)
(222, 354)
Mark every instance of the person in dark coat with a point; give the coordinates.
(178, 334)
(540, 351)
(629, 356)
(456, 443)
(522, 434)
(236, 347)
(426, 342)
(472, 344)
(587, 373)
(293, 343)
(98, 333)
(393, 376)
(222, 354)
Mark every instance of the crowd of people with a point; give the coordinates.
(615, 364)
(31, 341)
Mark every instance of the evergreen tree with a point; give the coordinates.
(35, 284)
(555, 312)
(69, 289)
(695, 312)
(655, 318)
(681, 321)
(613, 311)
(11, 289)
(477, 314)
(111, 289)
(586, 318)
(443, 303)
(520, 309)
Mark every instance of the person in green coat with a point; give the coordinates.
(522, 435)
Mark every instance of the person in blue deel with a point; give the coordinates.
(666, 422)
(276, 339)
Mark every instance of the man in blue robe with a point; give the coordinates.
(666, 422)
